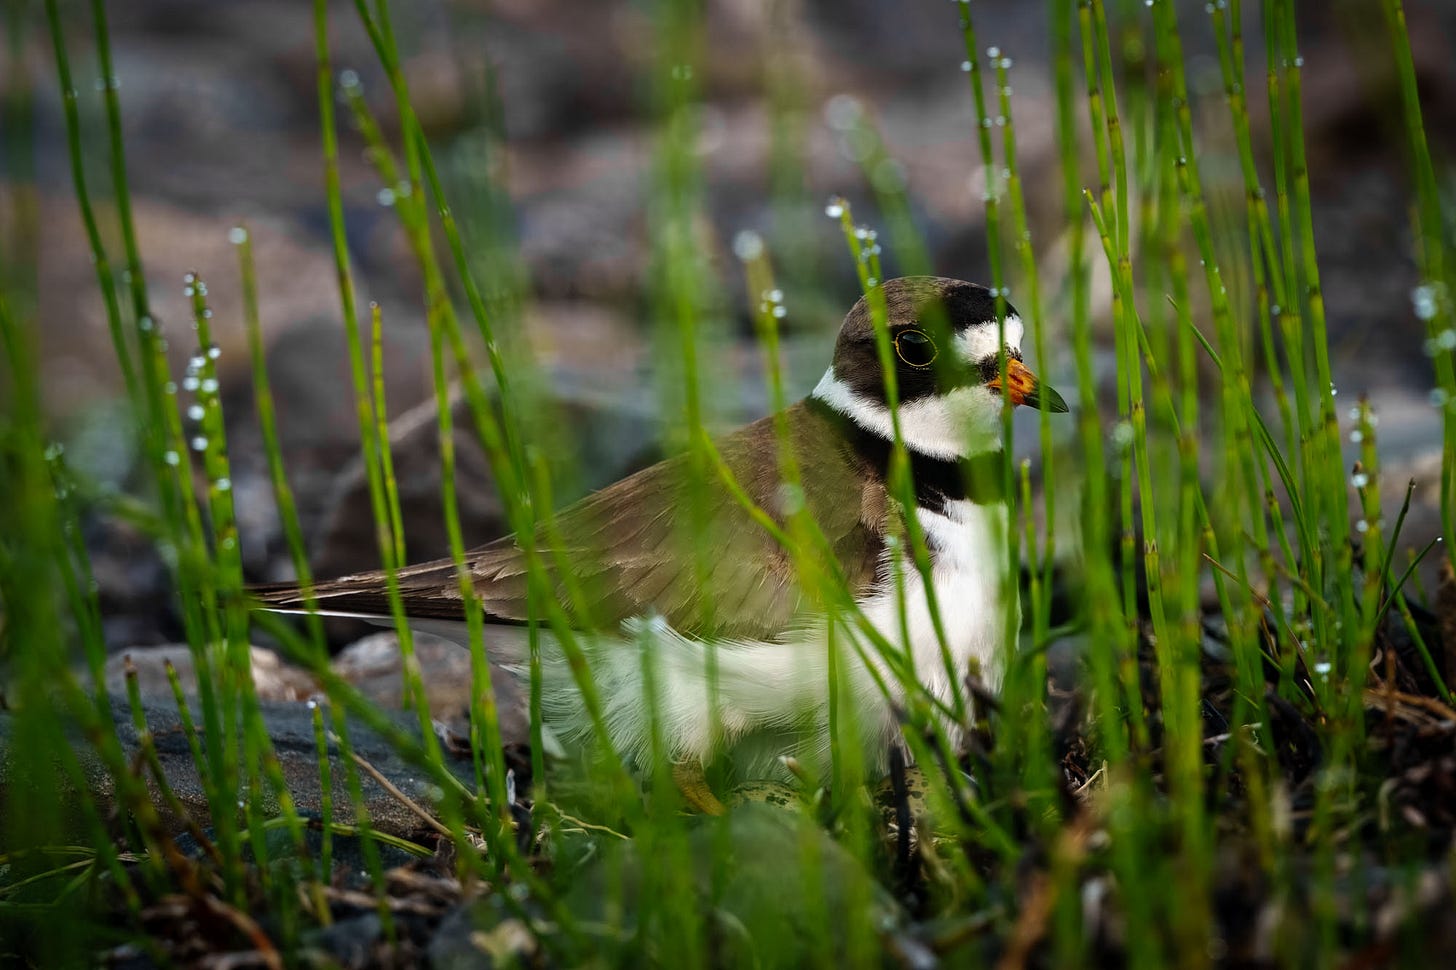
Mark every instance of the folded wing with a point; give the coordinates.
(660, 543)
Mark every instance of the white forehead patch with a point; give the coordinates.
(976, 343)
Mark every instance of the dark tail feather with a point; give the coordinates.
(365, 595)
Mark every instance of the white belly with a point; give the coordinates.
(781, 689)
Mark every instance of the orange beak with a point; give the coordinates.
(1022, 387)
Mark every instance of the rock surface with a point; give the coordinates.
(287, 695)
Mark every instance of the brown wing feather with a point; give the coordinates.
(630, 547)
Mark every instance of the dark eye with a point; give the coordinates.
(915, 348)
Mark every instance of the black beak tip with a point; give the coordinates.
(1046, 397)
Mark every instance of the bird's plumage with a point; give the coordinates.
(670, 562)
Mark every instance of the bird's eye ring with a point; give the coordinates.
(915, 348)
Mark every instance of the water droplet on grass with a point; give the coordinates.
(843, 112)
(237, 235)
(1423, 298)
(172, 458)
(196, 412)
(199, 443)
(748, 245)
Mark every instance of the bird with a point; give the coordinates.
(681, 580)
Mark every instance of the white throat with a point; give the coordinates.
(960, 424)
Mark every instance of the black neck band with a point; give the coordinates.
(978, 478)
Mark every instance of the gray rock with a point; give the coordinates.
(375, 666)
(290, 728)
(273, 679)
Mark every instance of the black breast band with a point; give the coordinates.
(979, 478)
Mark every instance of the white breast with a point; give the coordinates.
(968, 549)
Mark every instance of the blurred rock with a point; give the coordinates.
(133, 588)
(273, 679)
(294, 288)
(375, 666)
(596, 445)
(290, 730)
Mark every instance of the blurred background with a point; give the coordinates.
(542, 117)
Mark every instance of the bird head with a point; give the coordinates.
(946, 344)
